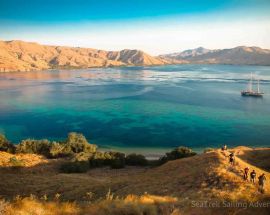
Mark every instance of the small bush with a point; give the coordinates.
(99, 159)
(57, 150)
(77, 143)
(31, 146)
(75, 167)
(118, 160)
(136, 160)
(82, 156)
(117, 164)
(177, 153)
(5, 145)
(112, 159)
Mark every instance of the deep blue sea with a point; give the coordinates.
(143, 108)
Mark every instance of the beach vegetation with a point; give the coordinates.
(75, 143)
(112, 159)
(177, 153)
(31, 146)
(75, 167)
(136, 160)
(5, 145)
(57, 150)
(83, 161)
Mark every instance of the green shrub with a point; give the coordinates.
(57, 150)
(177, 153)
(5, 145)
(82, 156)
(112, 159)
(136, 160)
(77, 143)
(41, 147)
(117, 164)
(98, 159)
(118, 160)
(75, 167)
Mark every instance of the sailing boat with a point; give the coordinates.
(250, 91)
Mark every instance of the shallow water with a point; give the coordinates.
(147, 108)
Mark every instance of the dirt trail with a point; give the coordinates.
(240, 165)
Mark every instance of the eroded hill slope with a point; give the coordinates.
(24, 56)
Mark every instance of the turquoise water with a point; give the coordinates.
(147, 108)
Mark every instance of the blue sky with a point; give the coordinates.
(156, 26)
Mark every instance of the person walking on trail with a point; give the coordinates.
(224, 148)
(262, 180)
(246, 170)
(231, 159)
(253, 176)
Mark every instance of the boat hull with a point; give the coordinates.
(252, 94)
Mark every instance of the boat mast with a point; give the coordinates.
(258, 86)
(250, 83)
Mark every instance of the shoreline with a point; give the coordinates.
(130, 66)
(152, 153)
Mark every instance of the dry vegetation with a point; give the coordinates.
(145, 204)
(28, 160)
(173, 187)
(259, 157)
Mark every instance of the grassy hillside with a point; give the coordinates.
(259, 157)
(205, 177)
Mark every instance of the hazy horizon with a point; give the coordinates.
(156, 27)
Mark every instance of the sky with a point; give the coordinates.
(155, 26)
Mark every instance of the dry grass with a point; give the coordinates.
(176, 184)
(29, 160)
(259, 157)
(146, 204)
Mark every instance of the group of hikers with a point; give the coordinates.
(252, 175)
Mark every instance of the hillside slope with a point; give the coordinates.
(238, 55)
(204, 177)
(25, 56)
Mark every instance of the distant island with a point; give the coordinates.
(18, 55)
(240, 55)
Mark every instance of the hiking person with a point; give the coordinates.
(253, 176)
(262, 180)
(224, 148)
(231, 158)
(246, 170)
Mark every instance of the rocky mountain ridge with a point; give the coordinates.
(241, 55)
(18, 55)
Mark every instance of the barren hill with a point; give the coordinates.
(25, 56)
(205, 177)
(238, 55)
